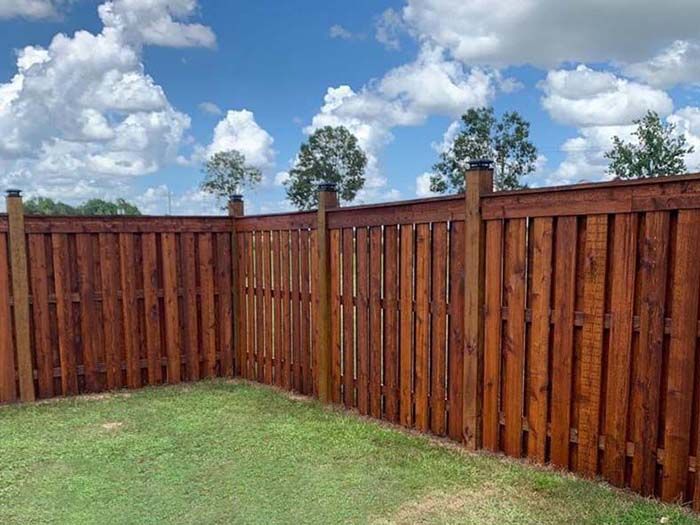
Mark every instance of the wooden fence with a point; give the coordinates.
(558, 324)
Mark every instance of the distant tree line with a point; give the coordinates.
(46, 206)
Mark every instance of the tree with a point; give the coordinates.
(483, 136)
(331, 155)
(658, 151)
(46, 206)
(227, 174)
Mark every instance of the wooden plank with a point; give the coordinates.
(205, 255)
(537, 375)
(173, 344)
(40, 312)
(20, 295)
(514, 335)
(128, 281)
(64, 314)
(492, 334)
(8, 389)
(563, 339)
(267, 307)
(277, 306)
(455, 363)
(225, 321)
(363, 328)
(391, 324)
(646, 385)
(124, 224)
(375, 320)
(151, 307)
(406, 327)
(109, 264)
(259, 309)
(189, 282)
(594, 274)
(239, 278)
(251, 309)
(296, 313)
(623, 260)
(285, 312)
(88, 310)
(438, 332)
(305, 290)
(479, 182)
(681, 358)
(422, 328)
(336, 349)
(348, 319)
(313, 300)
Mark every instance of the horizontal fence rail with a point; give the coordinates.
(557, 324)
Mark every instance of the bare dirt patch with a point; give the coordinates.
(112, 426)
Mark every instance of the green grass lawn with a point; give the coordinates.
(228, 452)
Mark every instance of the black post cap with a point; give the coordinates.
(236, 198)
(480, 164)
(327, 186)
(14, 193)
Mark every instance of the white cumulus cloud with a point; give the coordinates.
(679, 63)
(28, 8)
(238, 130)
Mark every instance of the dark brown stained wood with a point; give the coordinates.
(296, 313)
(305, 289)
(438, 351)
(282, 221)
(173, 345)
(189, 281)
(259, 308)
(251, 308)
(40, 311)
(492, 334)
(479, 182)
(20, 297)
(109, 264)
(681, 359)
(277, 307)
(241, 338)
(152, 310)
(8, 390)
(128, 281)
(591, 376)
(313, 301)
(285, 306)
(88, 310)
(267, 306)
(537, 377)
(363, 332)
(225, 320)
(375, 320)
(563, 338)
(406, 327)
(64, 314)
(623, 261)
(348, 319)
(514, 289)
(422, 328)
(456, 331)
(208, 320)
(336, 349)
(391, 324)
(596, 198)
(406, 212)
(646, 385)
(123, 224)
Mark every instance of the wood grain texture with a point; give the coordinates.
(406, 326)
(8, 389)
(40, 312)
(438, 331)
(173, 342)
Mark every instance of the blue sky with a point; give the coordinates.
(118, 111)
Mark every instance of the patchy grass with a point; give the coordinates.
(226, 452)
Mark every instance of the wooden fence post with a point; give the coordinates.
(327, 199)
(20, 294)
(236, 208)
(478, 181)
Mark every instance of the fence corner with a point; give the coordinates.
(478, 181)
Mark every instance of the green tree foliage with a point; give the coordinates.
(46, 206)
(657, 151)
(331, 155)
(483, 136)
(227, 174)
